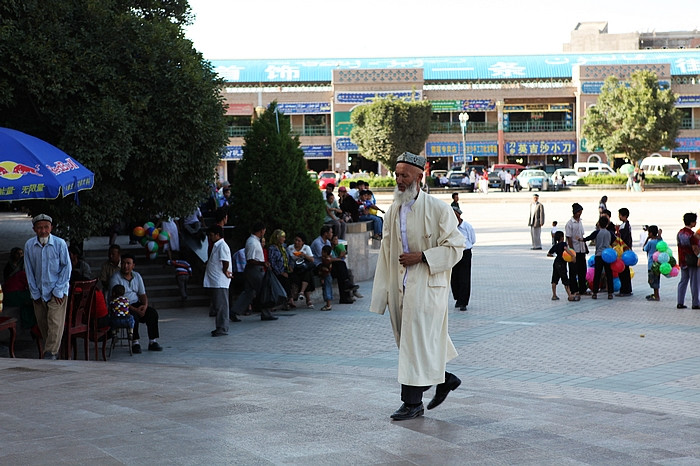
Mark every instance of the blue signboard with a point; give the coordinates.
(454, 149)
(345, 144)
(687, 145)
(683, 62)
(688, 101)
(594, 87)
(364, 97)
(317, 151)
(233, 153)
(304, 108)
(566, 147)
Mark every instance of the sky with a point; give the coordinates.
(247, 29)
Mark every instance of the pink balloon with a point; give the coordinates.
(674, 271)
(589, 274)
(655, 256)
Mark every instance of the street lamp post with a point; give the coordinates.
(463, 121)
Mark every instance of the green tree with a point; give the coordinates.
(636, 118)
(115, 84)
(388, 127)
(270, 183)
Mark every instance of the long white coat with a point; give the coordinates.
(419, 313)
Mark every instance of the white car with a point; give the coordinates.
(567, 174)
(537, 179)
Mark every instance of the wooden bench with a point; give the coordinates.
(10, 323)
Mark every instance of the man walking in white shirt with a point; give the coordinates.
(217, 277)
(461, 281)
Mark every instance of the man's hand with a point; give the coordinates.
(58, 300)
(138, 310)
(410, 258)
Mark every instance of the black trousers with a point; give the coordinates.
(625, 281)
(577, 274)
(150, 318)
(339, 271)
(461, 280)
(413, 394)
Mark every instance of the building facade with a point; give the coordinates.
(522, 109)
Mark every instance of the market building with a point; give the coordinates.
(521, 109)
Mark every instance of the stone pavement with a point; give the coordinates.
(544, 382)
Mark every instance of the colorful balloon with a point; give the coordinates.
(152, 246)
(616, 284)
(164, 236)
(609, 255)
(674, 271)
(629, 257)
(591, 261)
(155, 233)
(665, 268)
(663, 258)
(148, 225)
(617, 266)
(139, 232)
(589, 274)
(661, 246)
(153, 255)
(631, 272)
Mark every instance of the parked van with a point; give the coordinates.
(583, 168)
(662, 166)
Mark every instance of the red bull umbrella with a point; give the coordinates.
(34, 169)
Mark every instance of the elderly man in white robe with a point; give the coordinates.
(421, 245)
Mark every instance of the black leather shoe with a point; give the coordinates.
(695, 307)
(270, 317)
(218, 333)
(234, 318)
(136, 349)
(681, 306)
(155, 346)
(443, 389)
(406, 412)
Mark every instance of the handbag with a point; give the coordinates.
(272, 292)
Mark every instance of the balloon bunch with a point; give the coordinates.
(152, 238)
(618, 256)
(664, 262)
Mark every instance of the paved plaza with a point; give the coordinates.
(543, 382)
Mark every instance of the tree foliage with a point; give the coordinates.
(271, 185)
(635, 119)
(115, 84)
(388, 127)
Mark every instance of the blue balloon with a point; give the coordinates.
(616, 284)
(663, 258)
(609, 255)
(629, 258)
(591, 261)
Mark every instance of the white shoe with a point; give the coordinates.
(357, 294)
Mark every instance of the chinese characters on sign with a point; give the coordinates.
(452, 149)
(540, 147)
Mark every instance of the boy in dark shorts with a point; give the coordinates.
(559, 266)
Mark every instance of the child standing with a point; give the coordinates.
(183, 271)
(653, 237)
(625, 234)
(559, 267)
(603, 240)
(554, 231)
(119, 310)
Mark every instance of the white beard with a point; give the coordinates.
(403, 198)
(44, 241)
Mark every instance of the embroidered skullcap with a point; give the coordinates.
(42, 217)
(412, 159)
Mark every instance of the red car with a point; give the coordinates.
(327, 177)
